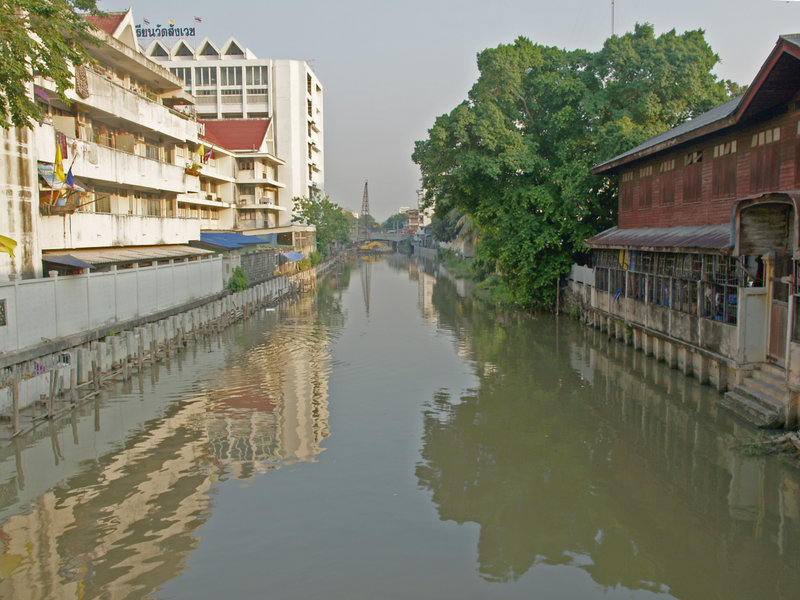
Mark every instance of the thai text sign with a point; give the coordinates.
(164, 31)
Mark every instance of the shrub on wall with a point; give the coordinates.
(238, 280)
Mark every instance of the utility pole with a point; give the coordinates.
(612, 18)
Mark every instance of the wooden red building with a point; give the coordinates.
(702, 269)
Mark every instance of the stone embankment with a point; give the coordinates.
(51, 385)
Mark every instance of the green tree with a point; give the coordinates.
(396, 221)
(39, 37)
(515, 157)
(328, 217)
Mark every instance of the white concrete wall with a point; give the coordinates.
(96, 230)
(20, 215)
(39, 310)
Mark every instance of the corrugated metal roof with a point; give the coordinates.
(707, 118)
(105, 256)
(702, 237)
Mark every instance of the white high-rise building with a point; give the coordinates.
(230, 82)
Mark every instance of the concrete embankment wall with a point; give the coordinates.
(652, 338)
(53, 383)
(55, 308)
(427, 253)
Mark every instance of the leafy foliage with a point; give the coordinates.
(328, 217)
(238, 280)
(396, 221)
(39, 37)
(515, 157)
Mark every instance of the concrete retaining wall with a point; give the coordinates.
(38, 310)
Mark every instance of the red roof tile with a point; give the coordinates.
(237, 134)
(107, 23)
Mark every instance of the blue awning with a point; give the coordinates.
(293, 256)
(66, 260)
(231, 240)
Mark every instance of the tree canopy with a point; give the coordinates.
(516, 155)
(328, 217)
(39, 37)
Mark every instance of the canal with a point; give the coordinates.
(386, 437)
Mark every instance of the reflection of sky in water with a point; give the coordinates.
(426, 449)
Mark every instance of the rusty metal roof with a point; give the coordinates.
(675, 239)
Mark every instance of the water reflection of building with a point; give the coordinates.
(574, 451)
(123, 522)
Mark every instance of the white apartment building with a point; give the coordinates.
(230, 82)
(131, 153)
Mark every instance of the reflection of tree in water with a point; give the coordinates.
(556, 472)
(503, 456)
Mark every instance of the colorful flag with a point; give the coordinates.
(201, 151)
(70, 180)
(7, 245)
(146, 21)
(198, 20)
(171, 22)
(208, 155)
(59, 166)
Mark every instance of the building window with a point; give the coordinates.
(693, 176)
(646, 187)
(205, 76)
(102, 203)
(666, 181)
(724, 170)
(230, 76)
(626, 191)
(3, 321)
(257, 76)
(765, 165)
(184, 73)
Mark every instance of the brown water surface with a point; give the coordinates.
(388, 438)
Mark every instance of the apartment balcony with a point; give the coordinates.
(120, 103)
(204, 199)
(252, 203)
(97, 230)
(113, 167)
(254, 178)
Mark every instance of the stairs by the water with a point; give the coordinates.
(761, 398)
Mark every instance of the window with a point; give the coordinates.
(666, 181)
(765, 165)
(246, 165)
(646, 187)
(102, 203)
(693, 176)
(3, 321)
(153, 207)
(230, 76)
(724, 170)
(257, 76)
(205, 76)
(626, 191)
(184, 73)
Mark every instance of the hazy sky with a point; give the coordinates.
(388, 69)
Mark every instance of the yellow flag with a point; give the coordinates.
(201, 150)
(7, 245)
(59, 170)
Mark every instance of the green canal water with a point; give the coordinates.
(388, 438)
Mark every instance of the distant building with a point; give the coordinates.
(230, 82)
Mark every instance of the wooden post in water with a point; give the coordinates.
(73, 384)
(140, 353)
(15, 400)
